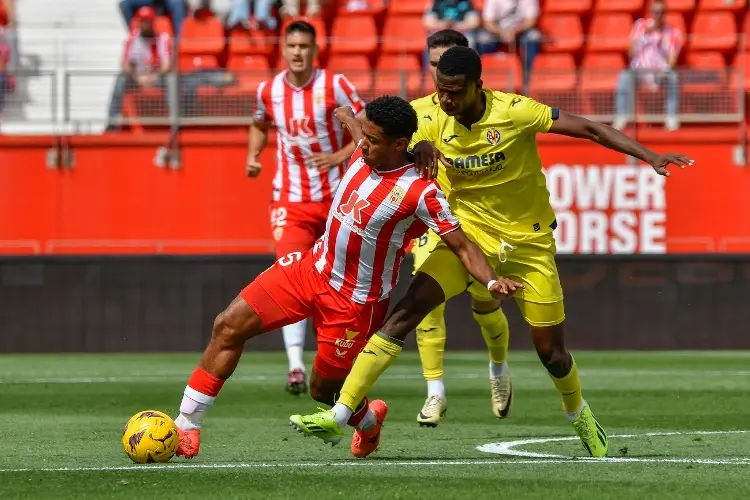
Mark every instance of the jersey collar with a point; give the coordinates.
(313, 76)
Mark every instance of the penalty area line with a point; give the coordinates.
(508, 448)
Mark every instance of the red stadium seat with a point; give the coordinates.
(204, 36)
(187, 63)
(746, 31)
(610, 32)
(564, 32)
(354, 34)
(553, 73)
(568, 6)
(714, 31)
(321, 34)
(741, 71)
(410, 7)
(732, 5)
(242, 41)
(599, 74)
(356, 68)
(398, 75)
(403, 34)
(680, 5)
(501, 71)
(677, 20)
(630, 6)
(162, 24)
(703, 88)
(374, 8)
(250, 71)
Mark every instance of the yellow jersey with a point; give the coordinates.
(497, 183)
(424, 106)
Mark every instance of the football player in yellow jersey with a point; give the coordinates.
(487, 140)
(431, 331)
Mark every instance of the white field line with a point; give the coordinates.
(508, 448)
(388, 376)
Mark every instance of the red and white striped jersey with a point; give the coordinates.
(305, 124)
(373, 217)
(147, 54)
(652, 46)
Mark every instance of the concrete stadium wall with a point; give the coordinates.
(167, 303)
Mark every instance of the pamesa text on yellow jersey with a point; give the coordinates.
(496, 177)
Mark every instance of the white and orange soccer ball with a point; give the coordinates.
(150, 436)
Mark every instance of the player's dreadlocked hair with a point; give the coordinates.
(447, 38)
(461, 61)
(394, 115)
(300, 27)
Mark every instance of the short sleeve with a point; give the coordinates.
(261, 110)
(346, 94)
(434, 211)
(530, 115)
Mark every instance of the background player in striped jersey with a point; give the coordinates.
(431, 332)
(310, 153)
(345, 282)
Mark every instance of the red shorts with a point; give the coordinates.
(296, 226)
(292, 290)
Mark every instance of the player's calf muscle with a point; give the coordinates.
(324, 390)
(232, 328)
(549, 342)
(424, 295)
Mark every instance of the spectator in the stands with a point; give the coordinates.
(654, 48)
(240, 14)
(5, 84)
(512, 25)
(8, 22)
(459, 15)
(291, 8)
(175, 9)
(145, 63)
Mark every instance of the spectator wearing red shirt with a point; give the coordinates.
(145, 63)
(654, 48)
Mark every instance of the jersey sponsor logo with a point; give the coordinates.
(350, 213)
(464, 164)
(449, 138)
(299, 127)
(344, 344)
(397, 194)
(493, 136)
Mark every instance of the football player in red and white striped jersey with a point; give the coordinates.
(344, 283)
(311, 148)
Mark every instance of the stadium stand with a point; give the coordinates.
(71, 54)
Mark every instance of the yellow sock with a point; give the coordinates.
(496, 333)
(373, 360)
(431, 343)
(570, 389)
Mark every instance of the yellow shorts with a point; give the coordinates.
(422, 248)
(531, 262)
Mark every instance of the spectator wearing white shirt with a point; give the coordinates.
(512, 25)
(145, 63)
(654, 49)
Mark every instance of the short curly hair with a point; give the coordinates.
(394, 115)
(461, 61)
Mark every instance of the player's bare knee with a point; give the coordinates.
(484, 306)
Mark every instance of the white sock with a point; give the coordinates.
(343, 414)
(294, 341)
(498, 370)
(436, 388)
(573, 416)
(193, 409)
(368, 422)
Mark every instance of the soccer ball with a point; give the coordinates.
(150, 436)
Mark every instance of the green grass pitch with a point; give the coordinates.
(683, 418)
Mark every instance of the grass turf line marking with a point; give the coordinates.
(263, 378)
(508, 448)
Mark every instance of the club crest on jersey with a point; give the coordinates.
(396, 195)
(493, 136)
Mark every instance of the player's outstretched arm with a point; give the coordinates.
(579, 127)
(476, 263)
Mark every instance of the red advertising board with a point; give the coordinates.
(114, 200)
